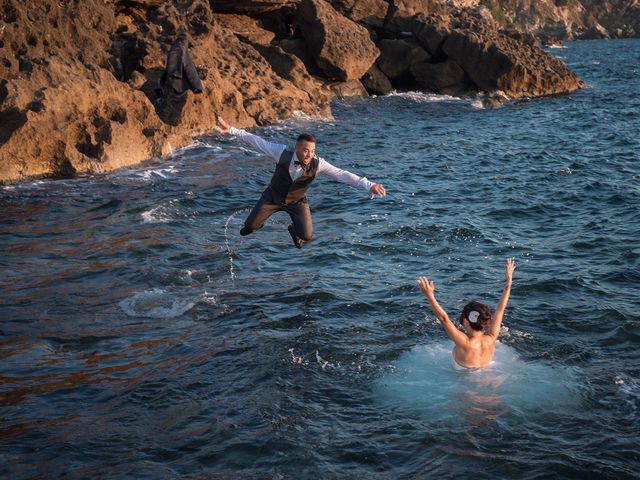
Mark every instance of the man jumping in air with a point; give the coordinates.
(296, 168)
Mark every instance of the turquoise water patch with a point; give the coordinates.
(425, 381)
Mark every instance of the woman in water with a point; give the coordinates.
(475, 346)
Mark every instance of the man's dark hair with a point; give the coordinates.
(309, 137)
(483, 317)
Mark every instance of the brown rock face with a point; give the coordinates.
(78, 79)
(246, 28)
(495, 62)
(250, 7)
(401, 12)
(367, 12)
(80, 100)
(343, 49)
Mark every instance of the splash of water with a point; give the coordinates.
(230, 251)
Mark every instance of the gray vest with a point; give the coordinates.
(283, 190)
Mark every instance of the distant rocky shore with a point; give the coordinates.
(79, 78)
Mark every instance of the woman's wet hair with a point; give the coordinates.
(478, 314)
(309, 137)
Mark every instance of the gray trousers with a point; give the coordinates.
(299, 213)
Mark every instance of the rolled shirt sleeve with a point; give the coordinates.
(343, 176)
(273, 150)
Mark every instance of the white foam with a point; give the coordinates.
(478, 104)
(155, 215)
(424, 97)
(155, 173)
(156, 303)
(162, 213)
(425, 380)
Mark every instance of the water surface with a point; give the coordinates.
(142, 337)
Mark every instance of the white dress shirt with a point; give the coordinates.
(274, 150)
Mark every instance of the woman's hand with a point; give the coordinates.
(511, 266)
(427, 287)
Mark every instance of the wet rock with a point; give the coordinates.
(350, 88)
(376, 82)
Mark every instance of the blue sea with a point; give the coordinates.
(142, 337)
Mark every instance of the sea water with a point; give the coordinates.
(142, 337)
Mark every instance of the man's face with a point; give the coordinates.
(305, 150)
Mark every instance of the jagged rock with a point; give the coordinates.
(523, 37)
(431, 31)
(342, 49)
(299, 48)
(596, 32)
(78, 80)
(401, 13)
(246, 28)
(568, 19)
(367, 12)
(397, 56)
(376, 82)
(290, 67)
(76, 100)
(496, 62)
(439, 76)
(350, 88)
(250, 7)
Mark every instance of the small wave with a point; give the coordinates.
(155, 173)
(423, 97)
(478, 104)
(165, 213)
(155, 215)
(156, 303)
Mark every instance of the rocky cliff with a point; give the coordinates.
(568, 19)
(79, 78)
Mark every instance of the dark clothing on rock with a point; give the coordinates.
(180, 73)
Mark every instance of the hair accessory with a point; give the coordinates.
(473, 316)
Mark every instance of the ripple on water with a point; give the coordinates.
(157, 303)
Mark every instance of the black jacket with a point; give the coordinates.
(180, 73)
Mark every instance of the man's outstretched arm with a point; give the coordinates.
(349, 178)
(273, 150)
